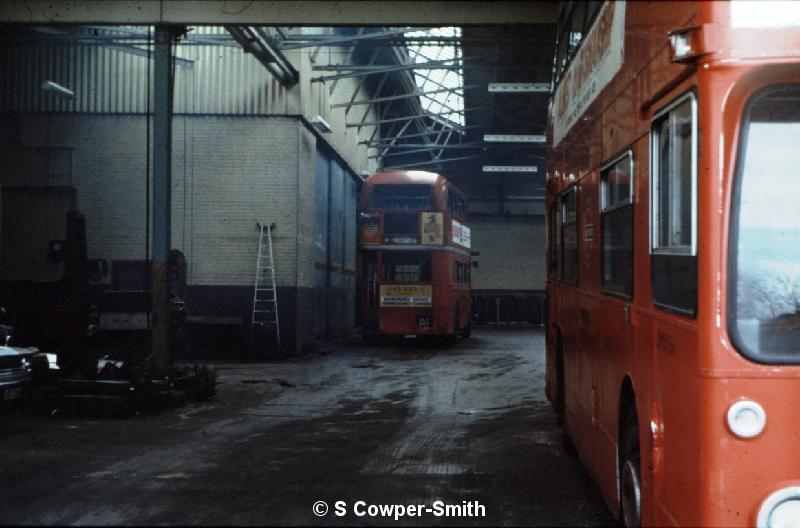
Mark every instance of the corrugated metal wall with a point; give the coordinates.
(334, 288)
(322, 196)
(216, 80)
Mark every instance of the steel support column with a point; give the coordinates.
(162, 185)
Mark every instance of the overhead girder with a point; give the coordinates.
(254, 40)
(434, 162)
(416, 93)
(296, 13)
(417, 135)
(303, 42)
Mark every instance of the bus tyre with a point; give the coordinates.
(467, 330)
(630, 503)
(567, 444)
(560, 402)
(452, 339)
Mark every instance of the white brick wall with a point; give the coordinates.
(228, 173)
(306, 206)
(108, 169)
(244, 171)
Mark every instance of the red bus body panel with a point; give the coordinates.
(684, 371)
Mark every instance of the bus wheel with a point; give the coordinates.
(561, 394)
(467, 331)
(567, 444)
(452, 339)
(561, 404)
(630, 488)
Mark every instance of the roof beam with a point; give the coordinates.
(273, 12)
(425, 148)
(384, 111)
(435, 146)
(417, 93)
(424, 114)
(315, 39)
(351, 53)
(401, 131)
(432, 65)
(347, 39)
(359, 86)
(253, 40)
(382, 121)
(371, 144)
(434, 162)
(357, 71)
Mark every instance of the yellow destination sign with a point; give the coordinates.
(406, 295)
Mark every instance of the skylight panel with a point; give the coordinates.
(449, 104)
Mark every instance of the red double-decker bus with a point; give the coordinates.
(673, 355)
(415, 256)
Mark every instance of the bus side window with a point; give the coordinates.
(456, 205)
(555, 220)
(569, 236)
(575, 21)
(673, 206)
(460, 272)
(616, 221)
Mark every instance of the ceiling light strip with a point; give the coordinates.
(513, 138)
(519, 87)
(510, 168)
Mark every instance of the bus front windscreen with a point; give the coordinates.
(401, 197)
(764, 298)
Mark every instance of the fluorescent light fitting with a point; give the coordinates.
(513, 138)
(320, 124)
(57, 89)
(519, 87)
(509, 168)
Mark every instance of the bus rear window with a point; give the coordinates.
(406, 266)
(764, 292)
(405, 197)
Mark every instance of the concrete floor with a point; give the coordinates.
(393, 425)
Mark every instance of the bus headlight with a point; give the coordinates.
(781, 509)
(746, 419)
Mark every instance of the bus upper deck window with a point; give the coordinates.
(401, 197)
(569, 236)
(457, 205)
(673, 206)
(616, 220)
(764, 287)
(673, 180)
(555, 221)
